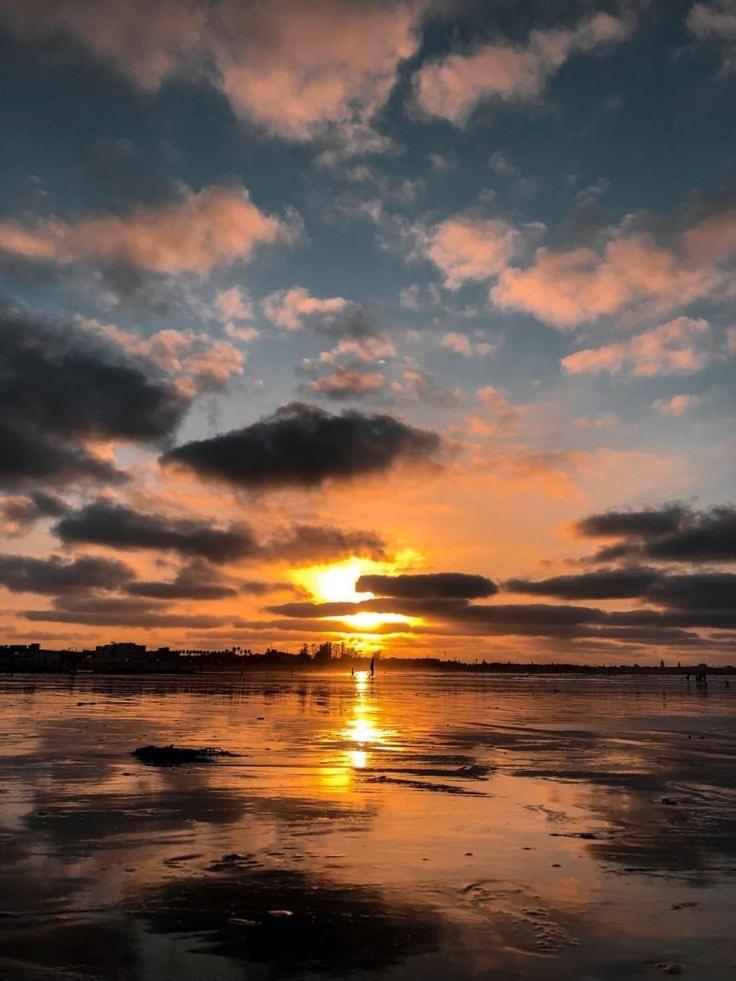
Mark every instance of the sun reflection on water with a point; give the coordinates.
(361, 736)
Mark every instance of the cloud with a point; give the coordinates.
(683, 346)
(496, 402)
(441, 603)
(467, 249)
(360, 350)
(304, 446)
(295, 308)
(648, 523)
(18, 514)
(146, 44)
(676, 406)
(133, 616)
(303, 544)
(698, 591)
(197, 362)
(568, 288)
(543, 619)
(29, 456)
(461, 344)
(213, 227)
(704, 619)
(118, 526)
(342, 372)
(234, 304)
(300, 71)
(437, 585)
(195, 580)
(348, 383)
(420, 386)
(24, 574)
(501, 165)
(623, 583)
(716, 21)
(606, 420)
(673, 533)
(257, 587)
(62, 389)
(453, 87)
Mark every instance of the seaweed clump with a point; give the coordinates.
(176, 755)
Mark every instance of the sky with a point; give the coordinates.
(408, 323)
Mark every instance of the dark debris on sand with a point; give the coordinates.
(176, 755)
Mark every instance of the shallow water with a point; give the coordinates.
(419, 826)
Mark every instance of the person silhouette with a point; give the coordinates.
(373, 667)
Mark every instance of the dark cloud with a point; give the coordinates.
(525, 615)
(703, 619)
(508, 618)
(256, 587)
(674, 533)
(118, 526)
(602, 584)
(648, 523)
(317, 543)
(18, 514)
(438, 585)
(671, 636)
(141, 617)
(23, 574)
(29, 456)
(84, 603)
(61, 386)
(304, 446)
(696, 591)
(699, 591)
(196, 580)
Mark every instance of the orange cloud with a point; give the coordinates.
(234, 304)
(297, 68)
(472, 249)
(199, 362)
(679, 347)
(146, 42)
(367, 350)
(496, 402)
(713, 239)
(290, 308)
(294, 68)
(452, 88)
(347, 382)
(213, 227)
(566, 289)
(676, 406)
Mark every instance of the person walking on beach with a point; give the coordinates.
(373, 668)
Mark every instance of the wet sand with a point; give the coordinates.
(420, 826)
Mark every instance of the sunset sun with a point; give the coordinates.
(336, 583)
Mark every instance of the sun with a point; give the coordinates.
(335, 583)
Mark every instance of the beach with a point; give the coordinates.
(415, 826)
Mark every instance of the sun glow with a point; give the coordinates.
(335, 583)
(371, 621)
